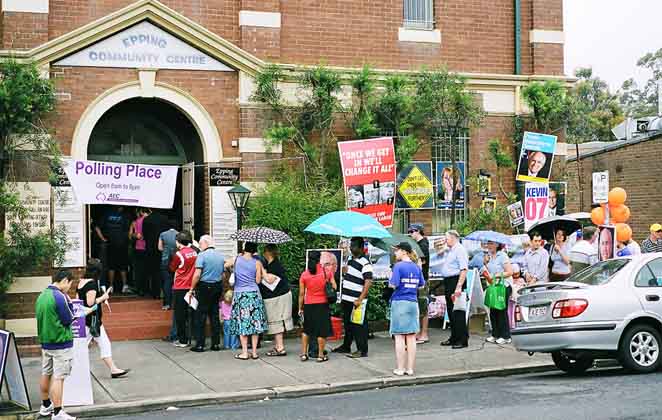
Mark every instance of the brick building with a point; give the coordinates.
(170, 81)
(632, 166)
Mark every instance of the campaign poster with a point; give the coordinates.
(445, 189)
(535, 163)
(516, 214)
(331, 261)
(128, 184)
(606, 242)
(369, 177)
(488, 204)
(556, 202)
(536, 197)
(415, 187)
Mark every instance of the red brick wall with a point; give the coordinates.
(548, 59)
(78, 87)
(219, 16)
(261, 5)
(633, 168)
(261, 42)
(547, 14)
(23, 30)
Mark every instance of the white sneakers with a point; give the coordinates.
(490, 339)
(125, 289)
(62, 416)
(402, 372)
(46, 411)
(180, 345)
(503, 341)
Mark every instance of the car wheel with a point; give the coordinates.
(640, 349)
(573, 366)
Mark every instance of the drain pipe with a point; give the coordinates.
(518, 36)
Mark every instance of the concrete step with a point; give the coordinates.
(142, 331)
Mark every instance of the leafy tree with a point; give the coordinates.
(595, 110)
(25, 99)
(641, 101)
(551, 105)
(503, 161)
(309, 124)
(361, 114)
(445, 108)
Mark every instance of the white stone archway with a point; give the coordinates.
(147, 88)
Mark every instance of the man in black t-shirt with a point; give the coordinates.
(113, 230)
(417, 233)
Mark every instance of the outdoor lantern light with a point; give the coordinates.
(239, 196)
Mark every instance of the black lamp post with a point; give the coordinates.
(239, 197)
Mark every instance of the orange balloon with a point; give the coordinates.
(617, 196)
(619, 214)
(598, 216)
(623, 232)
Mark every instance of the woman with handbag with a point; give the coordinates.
(406, 279)
(277, 300)
(89, 292)
(497, 268)
(317, 288)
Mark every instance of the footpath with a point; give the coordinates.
(164, 376)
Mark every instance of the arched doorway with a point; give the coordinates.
(149, 131)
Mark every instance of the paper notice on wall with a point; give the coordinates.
(69, 214)
(35, 197)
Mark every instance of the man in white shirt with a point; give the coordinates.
(536, 261)
(585, 252)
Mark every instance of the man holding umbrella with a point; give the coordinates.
(454, 271)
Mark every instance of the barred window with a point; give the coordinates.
(445, 147)
(418, 14)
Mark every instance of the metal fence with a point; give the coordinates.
(419, 14)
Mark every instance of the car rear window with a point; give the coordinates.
(599, 273)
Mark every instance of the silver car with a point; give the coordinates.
(611, 310)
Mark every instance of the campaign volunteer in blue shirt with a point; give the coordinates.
(407, 277)
(209, 266)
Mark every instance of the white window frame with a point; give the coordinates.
(418, 14)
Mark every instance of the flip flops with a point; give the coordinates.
(276, 353)
(238, 357)
(322, 359)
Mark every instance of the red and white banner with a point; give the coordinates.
(369, 174)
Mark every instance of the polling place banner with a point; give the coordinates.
(128, 184)
(369, 175)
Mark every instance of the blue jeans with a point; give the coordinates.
(166, 280)
(173, 328)
(229, 341)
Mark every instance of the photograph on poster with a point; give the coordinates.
(331, 260)
(371, 193)
(606, 242)
(488, 204)
(556, 200)
(355, 197)
(387, 192)
(445, 188)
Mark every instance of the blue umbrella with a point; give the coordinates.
(348, 224)
(489, 236)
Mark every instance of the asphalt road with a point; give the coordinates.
(605, 394)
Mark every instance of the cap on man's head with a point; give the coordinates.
(656, 227)
(405, 246)
(416, 227)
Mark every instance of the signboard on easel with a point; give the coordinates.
(11, 372)
(475, 295)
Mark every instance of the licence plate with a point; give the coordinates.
(537, 312)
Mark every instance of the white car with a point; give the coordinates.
(611, 310)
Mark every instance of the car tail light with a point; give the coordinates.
(518, 314)
(569, 308)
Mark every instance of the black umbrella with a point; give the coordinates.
(261, 235)
(547, 226)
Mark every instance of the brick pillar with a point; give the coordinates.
(260, 25)
(23, 24)
(547, 37)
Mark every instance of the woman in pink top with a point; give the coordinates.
(314, 305)
(139, 253)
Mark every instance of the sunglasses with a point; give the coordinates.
(411, 231)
